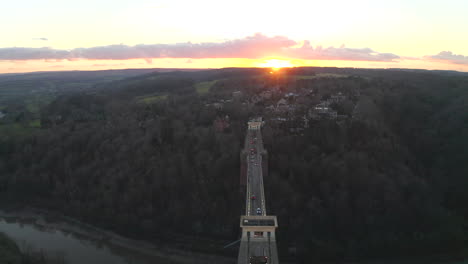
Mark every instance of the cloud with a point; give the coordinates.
(256, 46)
(341, 53)
(32, 54)
(251, 47)
(448, 56)
(43, 39)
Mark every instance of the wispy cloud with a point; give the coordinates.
(450, 57)
(342, 53)
(32, 54)
(252, 47)
(256, 46)
(43, 39)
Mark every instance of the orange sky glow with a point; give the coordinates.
(54, 35)
(268, 62)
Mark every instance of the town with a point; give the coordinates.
(293, 103)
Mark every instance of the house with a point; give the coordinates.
(270, 108)
(218, 105)
(237, 94)
(255, 99)
(322, 108)
(306, 121)
(282, 104)
(332, 114)
(290, 95)
(337, 98)
(266, 95)
(309, 91)
(275, 88)
(279, 119)
(221, 124)
(322, 111)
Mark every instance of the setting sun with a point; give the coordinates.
(276, 64)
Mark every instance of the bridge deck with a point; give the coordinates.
(258, 229)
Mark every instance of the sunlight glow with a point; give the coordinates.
(276, 64)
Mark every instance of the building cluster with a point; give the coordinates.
(323, 109)
(291, 107)
(218, 104)
(285, 111)
(221, 123)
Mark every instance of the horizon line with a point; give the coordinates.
(169, 69)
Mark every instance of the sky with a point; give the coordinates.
(52, 35)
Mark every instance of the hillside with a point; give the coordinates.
(363, 164)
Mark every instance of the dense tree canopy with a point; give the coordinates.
(388, 179)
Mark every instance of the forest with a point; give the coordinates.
(385, 180)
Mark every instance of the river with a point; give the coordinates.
(80, 243)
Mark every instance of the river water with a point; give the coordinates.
(78, 245)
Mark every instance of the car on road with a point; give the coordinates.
(253, 197)
(259, 211)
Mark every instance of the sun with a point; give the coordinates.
(276, 64)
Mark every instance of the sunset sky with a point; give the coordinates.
(51, 35)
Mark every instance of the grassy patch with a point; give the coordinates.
(204, 87)
(157, 77)
(15, 130)
(321, 75)
(35, 103)
(35, 123)
(149, 99)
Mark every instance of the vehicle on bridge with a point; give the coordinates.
(258, 260)
(259, 211)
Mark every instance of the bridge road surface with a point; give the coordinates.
(254, 174)
(253, 244)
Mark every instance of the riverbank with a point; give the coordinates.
(9, 251)
(52, 221)
(12, 253)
